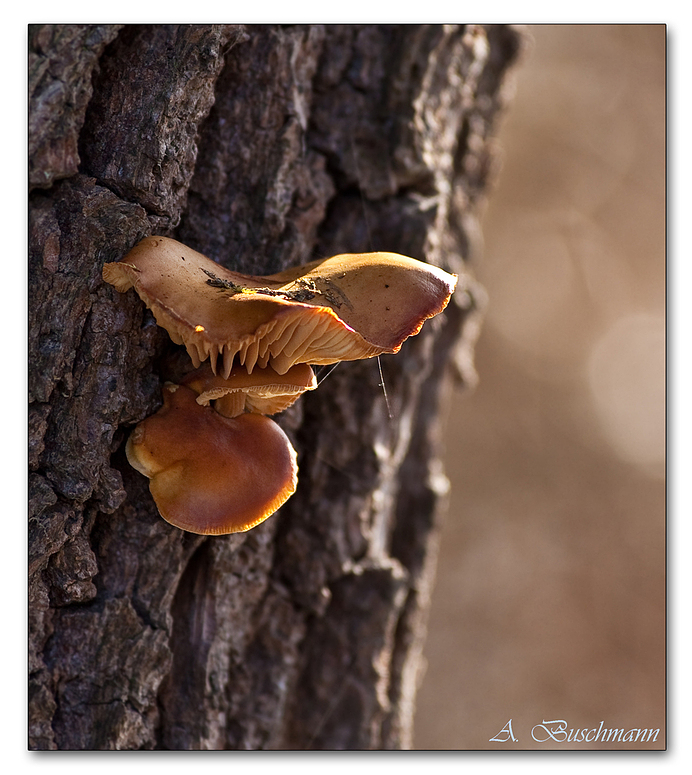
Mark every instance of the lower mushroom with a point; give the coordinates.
(212, 474)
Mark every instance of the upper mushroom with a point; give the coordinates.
(346, 307)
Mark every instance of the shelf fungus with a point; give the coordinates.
(217, 464)
(344, 308)
(208, 473)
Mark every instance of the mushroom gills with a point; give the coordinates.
(265, 391)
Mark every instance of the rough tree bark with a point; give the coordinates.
(262, 147)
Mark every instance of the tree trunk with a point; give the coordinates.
(262, 147)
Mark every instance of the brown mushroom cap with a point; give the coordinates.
(346, 307)
(262, 392)
(210, 474)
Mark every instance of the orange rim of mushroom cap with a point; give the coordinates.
(347, 307)
(209, 474)
(263, 392)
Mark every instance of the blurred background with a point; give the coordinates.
(550, 594)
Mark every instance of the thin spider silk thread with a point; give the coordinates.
(369, 236)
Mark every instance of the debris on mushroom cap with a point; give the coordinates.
(210, 474)
(347, 307)
(262, 392)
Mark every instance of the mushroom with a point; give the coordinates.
(210, 474)
(262, 392)
(346, 307)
